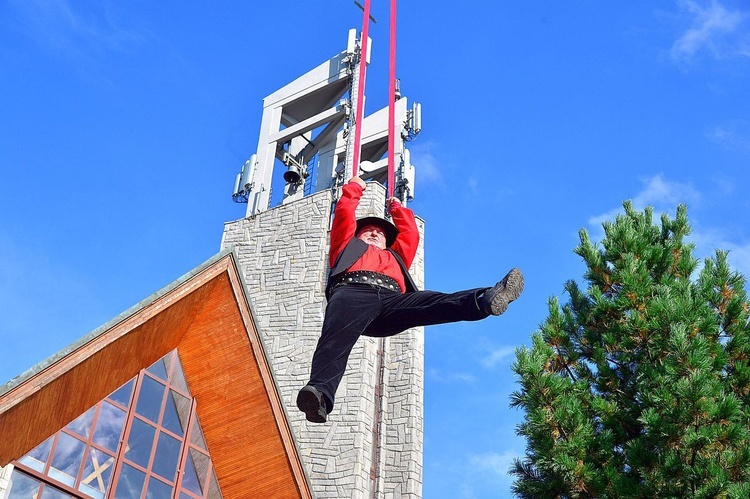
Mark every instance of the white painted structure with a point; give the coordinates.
(312, 118)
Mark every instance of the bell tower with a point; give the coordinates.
(305, 143)
(371, 445)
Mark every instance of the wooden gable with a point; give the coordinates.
(207, 317)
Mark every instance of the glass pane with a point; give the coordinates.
(140, 442)
(122, 394)
(158, 369)
(213, 488)
(168, 361)
(167, 456)
(67, 459)
(149, 399)
(158, 490)
(178, 376)
(95, 493)
(23, 486)
(202, 463)
(97, 473)
(52, 493)
(37, 458)
(82, 424)
(129, 483)
(176, 413)
(196, 434)
(190, 480)
(109, 426)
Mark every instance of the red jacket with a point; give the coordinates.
(375, 259)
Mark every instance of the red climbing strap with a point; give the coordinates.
(392, 101)
(361, 89)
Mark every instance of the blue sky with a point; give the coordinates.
(123, 124)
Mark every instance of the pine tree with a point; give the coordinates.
(639, 386)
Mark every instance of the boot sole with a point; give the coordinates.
(512, 289)
(309, 403)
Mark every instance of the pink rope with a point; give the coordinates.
(392, 101)
(361, 90)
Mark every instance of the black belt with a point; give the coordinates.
(367, 277)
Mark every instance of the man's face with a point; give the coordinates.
(372, 234)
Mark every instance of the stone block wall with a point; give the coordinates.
(362, 451)
(5, 474)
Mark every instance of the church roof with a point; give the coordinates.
(206, 316)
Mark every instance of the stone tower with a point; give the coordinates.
(372, 444)
(371, 447)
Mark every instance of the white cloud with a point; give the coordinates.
(425, 162)
(467, 491)
(498, 355)
(455, 377)
(732, 135)
(493, 467)
(69, 28)
(662, 194)
(707, 241)
(724, 186)
(739, 257)
(483, 474)
(495, 463)
(714, 29)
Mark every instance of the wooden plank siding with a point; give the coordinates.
(207, 318)
(233, 401)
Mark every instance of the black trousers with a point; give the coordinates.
(361, 309)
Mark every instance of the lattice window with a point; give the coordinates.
(143, 440)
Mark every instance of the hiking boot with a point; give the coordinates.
(312, 403)
(496, 299)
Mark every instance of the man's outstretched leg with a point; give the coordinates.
(361, 309)
(496, 299)
(402, 311)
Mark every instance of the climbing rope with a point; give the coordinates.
(360, 92)
(361, 88)
(392, 99)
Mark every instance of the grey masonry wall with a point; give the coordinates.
(5, 480)
(372, 443)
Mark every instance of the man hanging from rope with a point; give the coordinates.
(370, 293)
